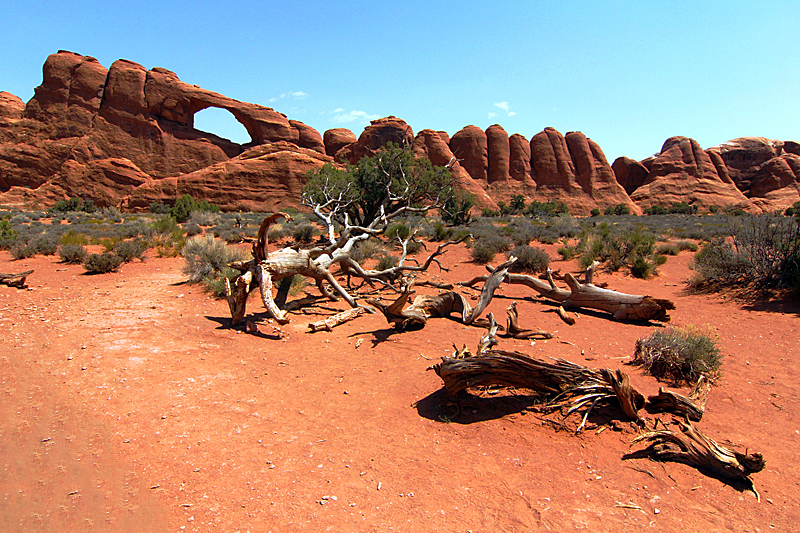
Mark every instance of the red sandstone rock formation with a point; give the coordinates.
(336, 139)
(469, 145)
(684, 172)
(11, 106)
(264, 178)
(93, 132)
(379, 133)
(498, 154)
(519, 166)
(433, 145)
(629, 173)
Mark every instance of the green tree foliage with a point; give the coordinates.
(618, 209)
(389, 183)
(184, 206)
(457, 207)
(517, 203)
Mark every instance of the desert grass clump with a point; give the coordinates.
(685, 245)
(207, 256)
(667, 248)
(679, 354)
(72, 253)
(101, 263)
(529, 259)
(304, 233)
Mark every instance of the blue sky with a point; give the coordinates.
(627, 74)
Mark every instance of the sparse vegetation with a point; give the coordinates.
(72, 253)
(101, 263)
(532, 260)
(679, 354)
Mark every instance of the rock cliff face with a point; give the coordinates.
(684, 172)
(125, 136)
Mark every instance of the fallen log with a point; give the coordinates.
(339, 318)
(440, 305)
(15, 280)
(691, 447)
(567, 385)
(691, 407)
(622, 306)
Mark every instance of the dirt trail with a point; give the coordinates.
(129, 405)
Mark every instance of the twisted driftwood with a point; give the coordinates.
(690, 446)
(266, 267)
(587, 295)
(15, 280)
(440, 305)
(569, 385)
(692, 407)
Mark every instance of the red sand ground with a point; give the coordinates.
(128, 404)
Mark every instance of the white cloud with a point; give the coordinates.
(354, 116)
(492, 115)
(505, 107)
(338, 110)
(295, 95)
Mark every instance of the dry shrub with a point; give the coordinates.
(679, 354)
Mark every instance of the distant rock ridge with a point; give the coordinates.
(125, 137)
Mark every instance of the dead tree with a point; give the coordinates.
(440, 305)
(353, 204)
(587, 295)
(267, 267)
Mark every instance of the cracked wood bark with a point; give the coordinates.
(339, 318)
(690, 446)
(692, 407)
(587, 295)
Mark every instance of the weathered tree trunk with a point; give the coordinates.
(693, 448)
(15, 280)
(622, 306)
(693, 406)
(266, 267)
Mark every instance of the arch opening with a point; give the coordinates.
(222, 123)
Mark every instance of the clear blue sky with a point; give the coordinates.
(627, 74)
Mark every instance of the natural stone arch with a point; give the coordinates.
(223, 116)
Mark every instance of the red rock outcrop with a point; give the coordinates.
(469, 145)
(11, 106)
(264, 178)
(433, 145)
(684, 172)
(629, 173)
(97, 132)
(379, 133)
(519, 165)
(744, 156)
(498, 154)
(336, 139)
(574, 169)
